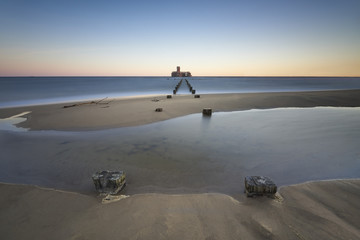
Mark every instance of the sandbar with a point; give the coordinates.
(135, 111)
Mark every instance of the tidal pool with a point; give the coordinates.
(192, 154)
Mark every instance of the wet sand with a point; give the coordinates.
(135, 111)
(317, 210)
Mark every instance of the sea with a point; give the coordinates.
(189, 154)
(24, 91)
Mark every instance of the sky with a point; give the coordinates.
(207, 38)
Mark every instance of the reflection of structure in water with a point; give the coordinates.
(259, 185)
(180, 74)
(109, 182)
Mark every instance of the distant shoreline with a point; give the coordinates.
(135, 111)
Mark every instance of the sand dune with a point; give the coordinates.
(317, 210)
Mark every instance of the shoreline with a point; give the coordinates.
(136, 111)
(320, 209)
(30, 212)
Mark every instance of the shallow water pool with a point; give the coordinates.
(192, 153)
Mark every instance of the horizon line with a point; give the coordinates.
(29, 76)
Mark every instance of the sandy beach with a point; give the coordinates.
(135, 111)
(317, 210)
(312, 210)
(161, 120)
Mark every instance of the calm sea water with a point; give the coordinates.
(192, 153)
(21, 91)
(187, 154)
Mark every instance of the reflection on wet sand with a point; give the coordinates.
(192, 154)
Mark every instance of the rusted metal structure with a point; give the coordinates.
(109, 182)
(207, 111)
(259, 185)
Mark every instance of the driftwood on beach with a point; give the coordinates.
(85, 103)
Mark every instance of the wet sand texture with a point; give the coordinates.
(318, 210)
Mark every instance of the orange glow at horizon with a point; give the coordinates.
(118, 67)
(228, 38)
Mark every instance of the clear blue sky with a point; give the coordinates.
(107, 38)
